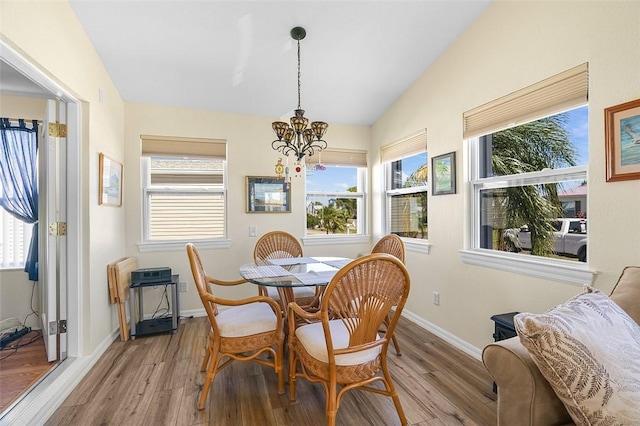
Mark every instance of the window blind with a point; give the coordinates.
(169, 146)
(176, 216)
(340, 157)
(405, 147)
(563, 91)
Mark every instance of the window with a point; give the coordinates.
(183, 190)
(335, 202)
(13, 235)
(406, 171)
(527, 176)
(19, 195)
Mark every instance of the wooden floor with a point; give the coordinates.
(155, 380)
(22, 367)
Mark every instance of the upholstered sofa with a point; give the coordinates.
(525, 396)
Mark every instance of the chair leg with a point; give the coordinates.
(393, 338)
(211, 374)
(205, 360)
(279, 364)
(395, 345)
(292, 374)
(331, 404)
(396, 402)
(393, 393)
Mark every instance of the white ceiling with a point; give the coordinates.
(358, 56)
(13, 82)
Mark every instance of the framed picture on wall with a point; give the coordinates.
(268, 195)
(110, 178)
(622, 138)
(443, 174)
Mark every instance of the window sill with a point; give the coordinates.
(12, 268)
(180, 245)
(576, 273)
(335, 239)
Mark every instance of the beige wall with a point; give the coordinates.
(59, 48)
(512, 45)
(249, 153)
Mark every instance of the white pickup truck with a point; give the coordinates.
(570, 237)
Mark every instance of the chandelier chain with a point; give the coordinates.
(299, 74)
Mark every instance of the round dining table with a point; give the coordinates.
(288, 273)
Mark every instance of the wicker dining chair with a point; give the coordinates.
(339, 345)
(281, 244)
(393, 245)
(242, 331)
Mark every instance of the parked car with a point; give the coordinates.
(570, 237)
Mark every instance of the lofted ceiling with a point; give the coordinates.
(237, 56)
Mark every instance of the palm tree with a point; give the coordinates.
(532, 147)
(334, 220)
(418, 178)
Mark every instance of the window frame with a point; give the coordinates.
(566, 271)
(147, 245)
(560, 92)
(419, 245)
(361, 200)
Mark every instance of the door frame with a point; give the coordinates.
(74, 255)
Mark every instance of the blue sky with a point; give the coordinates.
(336, 179)
(578, 128)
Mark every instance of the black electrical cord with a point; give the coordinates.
(20, 343)
(162, 312)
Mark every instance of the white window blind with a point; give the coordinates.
(563, 91)
(179, 216)
(184, 188)
(342, 157)
(171, 146)
(405, 147)
(15, 236)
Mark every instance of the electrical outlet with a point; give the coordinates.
(183, 286)
(252, 231)
(436, 298)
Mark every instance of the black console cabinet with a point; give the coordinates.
(141, 326)
(504, 329)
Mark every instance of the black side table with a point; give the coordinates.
(504, 329)
(141, 326)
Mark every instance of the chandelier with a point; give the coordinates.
(297, 138)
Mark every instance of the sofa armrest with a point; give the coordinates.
(524, 396)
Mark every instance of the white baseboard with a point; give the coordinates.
(444, 335)
(194, 313)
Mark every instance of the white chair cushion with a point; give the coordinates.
(298, 292)
(245, 320)
(311, 337)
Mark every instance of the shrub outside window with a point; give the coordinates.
(335, 200)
